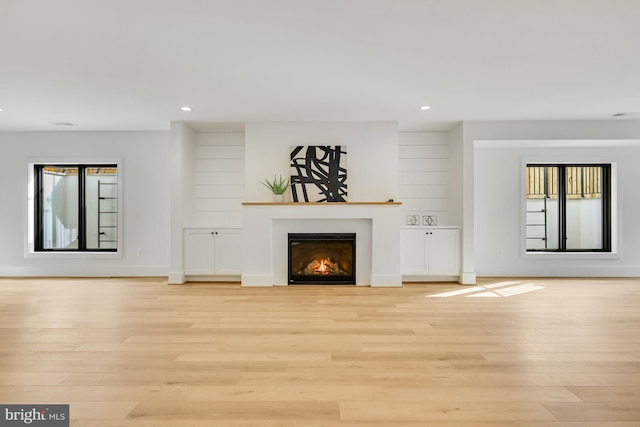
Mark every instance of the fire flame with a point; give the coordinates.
(322, 268)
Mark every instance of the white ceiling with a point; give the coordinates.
(131, 64)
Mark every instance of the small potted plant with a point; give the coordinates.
(278, 186)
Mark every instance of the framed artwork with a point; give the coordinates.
(319, 173)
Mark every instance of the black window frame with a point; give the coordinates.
(562, 211)
(38, 170)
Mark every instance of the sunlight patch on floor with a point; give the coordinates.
(459, 292)
(494, 290)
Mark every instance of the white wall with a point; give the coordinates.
(455, 142)
(218, 179)
(181, 194)
(145, 200)
(499, 205)
(424, 175)
(372, 149)
(514, 131)
(373, 176)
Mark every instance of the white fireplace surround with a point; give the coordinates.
(266, 226)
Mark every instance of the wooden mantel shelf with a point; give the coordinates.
(316, 203)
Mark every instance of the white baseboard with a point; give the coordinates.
(467, 278)
(257, 280)
(83, 269)
(176, 278)
(418, 278)
(378, 280)
(221, 278)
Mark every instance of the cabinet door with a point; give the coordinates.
(198, 251)
(414, 261)
(443, 253)
(228, 252)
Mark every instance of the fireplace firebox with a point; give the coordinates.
(322, 258)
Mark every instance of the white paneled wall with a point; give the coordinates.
(219, 179)
(423, 175)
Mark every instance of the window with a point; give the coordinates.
(568, 207)
(75, 207)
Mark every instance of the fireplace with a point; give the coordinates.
(322, 258)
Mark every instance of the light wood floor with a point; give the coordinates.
(137, 352)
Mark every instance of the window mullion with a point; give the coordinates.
(606, 207)
(562, 207)
(38, 235)
(82, 210)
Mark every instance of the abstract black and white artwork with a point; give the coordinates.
(319, 173)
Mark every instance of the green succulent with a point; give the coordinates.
(277, 185)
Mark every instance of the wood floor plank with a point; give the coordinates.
(152, 377)
(582, 412)
(220, 410)
(440, 411)
(628, 367)
(562, 356)
(31, 378)
(213, 356)
(607, 394)
(203, 393)
(192, 423)
(330, 423)
(444, 423)
(100, 410)
(487, 393)
(389, 376)
(537, 366)
(147, 347)
(617, 380)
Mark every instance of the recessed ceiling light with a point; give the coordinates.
(1, 110)
(425, 107)
(186, 108)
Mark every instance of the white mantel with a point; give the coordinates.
(376, 225)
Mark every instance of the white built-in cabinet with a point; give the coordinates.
(430, 251)
(212, 251)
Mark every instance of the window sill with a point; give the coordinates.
(74, 255)
(571, 255)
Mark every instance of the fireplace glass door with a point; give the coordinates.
(322, 258)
